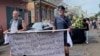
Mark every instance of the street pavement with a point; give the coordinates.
(91, 49)
(4, 50)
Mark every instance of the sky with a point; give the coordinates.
(91, 6)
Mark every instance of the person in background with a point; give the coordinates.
(94, 24)
(86, 29)
(17, 24)
(63, 22)
(98, 23)
(90, 24)
(88, 20)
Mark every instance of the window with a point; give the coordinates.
(49, 14)
(52, 14)
(45, 13)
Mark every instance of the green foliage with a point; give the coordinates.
(98, 14)
(93, 18)
(77, 22)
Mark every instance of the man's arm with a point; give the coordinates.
(23, 26)
(5, 32)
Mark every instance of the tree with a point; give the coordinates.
(98, 14)
(93, 18)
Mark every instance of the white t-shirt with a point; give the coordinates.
(14, 26)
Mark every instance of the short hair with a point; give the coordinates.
(16, 11)
(61, 7)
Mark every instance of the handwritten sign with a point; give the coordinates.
(37, 44)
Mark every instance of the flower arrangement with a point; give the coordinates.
(77, 22)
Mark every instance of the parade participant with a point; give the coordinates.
(94, 24)
(86, 29)
(63, 22)
(16, 24)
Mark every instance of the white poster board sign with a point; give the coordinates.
(37, 44)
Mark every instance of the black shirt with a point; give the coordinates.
(86, 26)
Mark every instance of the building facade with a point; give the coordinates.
(6, 9)
(55, 2)
(47, 9)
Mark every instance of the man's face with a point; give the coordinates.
(61, 12)
(15, 14)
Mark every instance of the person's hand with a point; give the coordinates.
(53, 30)
(5, 32)
(68, 30)
(19, 31)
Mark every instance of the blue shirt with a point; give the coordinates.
(62, 23)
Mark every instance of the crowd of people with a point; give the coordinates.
(94, 24)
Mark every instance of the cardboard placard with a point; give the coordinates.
(37, 44)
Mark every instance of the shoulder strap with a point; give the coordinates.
(67, 20)
(64, 20)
